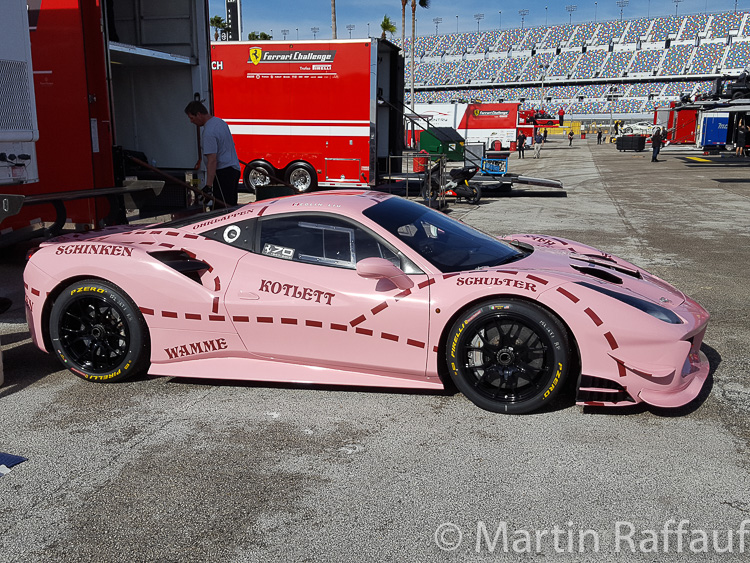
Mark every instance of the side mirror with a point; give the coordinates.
(380, 268)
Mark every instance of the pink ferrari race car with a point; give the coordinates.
(366, 289)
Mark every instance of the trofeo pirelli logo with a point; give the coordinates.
(257, 55)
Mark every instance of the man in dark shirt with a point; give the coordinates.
(656, 139)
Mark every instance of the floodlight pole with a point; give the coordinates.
(523, 13)
(570, 9)
(478, 17)
(622, 4)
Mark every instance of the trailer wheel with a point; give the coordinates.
(301, 176)
(257, 174)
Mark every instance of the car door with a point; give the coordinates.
(298, 298)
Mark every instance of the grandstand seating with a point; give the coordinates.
(610, 32)
(465, 43)
(738, 55)
(636, 30)
(707, 58)
(616, 64)
(646, 62)
(649, 61)
(722, 24)
(590, 63)
(676, 89)
(676, 59)
(533, 38)
(489, 69)
(536, 67)
(489, 40)
(558, 36)
(695, 25)
(563, 64)
(664, 28)
(645, 89)
(511, 69)
(583, 35)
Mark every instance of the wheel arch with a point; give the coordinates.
(57, 291)
(442, 368)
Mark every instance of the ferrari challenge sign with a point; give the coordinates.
(258, 55)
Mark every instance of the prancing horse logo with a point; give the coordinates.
(255, 54)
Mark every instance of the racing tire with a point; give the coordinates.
(508, 356)
(476, 195)
(98, 333)
(257, 174)
(301, 177)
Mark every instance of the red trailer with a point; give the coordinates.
(681, 122)
(480, 123)
(311, 113)
(108, 78)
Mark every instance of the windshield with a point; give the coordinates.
(447, 244)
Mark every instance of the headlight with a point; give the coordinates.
(652, 309)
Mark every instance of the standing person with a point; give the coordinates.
(617, 128)
(561, 116)
(217, 147)
(538, 142)
(599, 137)
(570, 138)
(741, 138)
(545, 135)
(656, 144)
(520, 144)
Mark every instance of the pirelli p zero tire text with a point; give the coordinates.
(508, 356)
(98, 333)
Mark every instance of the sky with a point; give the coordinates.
(299, 16)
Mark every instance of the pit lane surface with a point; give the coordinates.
(166, 469)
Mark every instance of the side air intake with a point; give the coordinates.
(182, 262)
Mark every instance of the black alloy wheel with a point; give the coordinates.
(508, 356)
(98, 333)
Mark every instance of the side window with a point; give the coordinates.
(319, 239)
(239, 235)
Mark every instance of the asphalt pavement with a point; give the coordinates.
(168, 469)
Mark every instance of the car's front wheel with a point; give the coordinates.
(508, 356)
(98, 333)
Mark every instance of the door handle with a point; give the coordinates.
(248, 295)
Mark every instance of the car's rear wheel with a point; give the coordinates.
(508, 356)
(98, 333)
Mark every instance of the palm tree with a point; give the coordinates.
(403, 23)
(422, 4)
(218, 23)
(387, 26)
(333, 18)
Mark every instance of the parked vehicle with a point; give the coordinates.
(323, 113)
(365, 288)
(639, 128)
